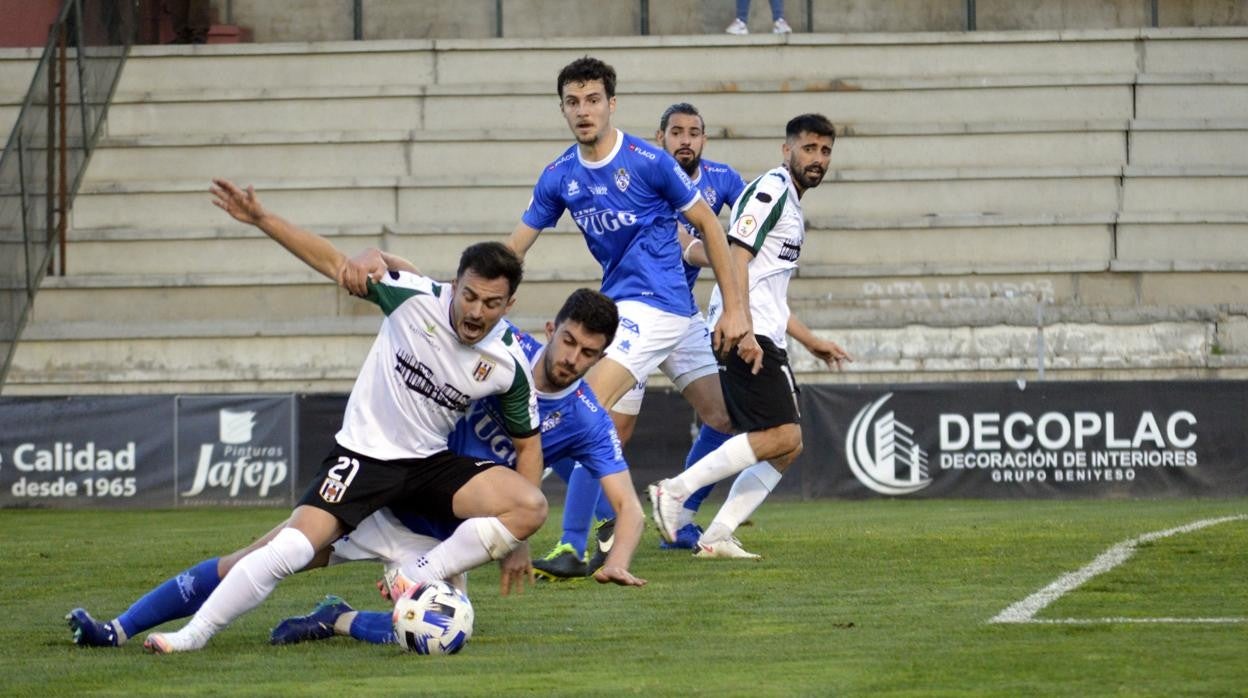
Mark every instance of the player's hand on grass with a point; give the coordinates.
(751, 353)
(618, 575)
(242, 205)
(516, 570)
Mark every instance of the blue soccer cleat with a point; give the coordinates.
(89, 632)
(686, 538)
(317, 625)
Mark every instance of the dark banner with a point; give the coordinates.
(979, 440)
(147, 451)
(1041, 440)
(86, 451)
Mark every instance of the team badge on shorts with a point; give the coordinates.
(332, 490)
(621, 179)
(483, 370)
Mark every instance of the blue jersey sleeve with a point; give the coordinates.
(602, 454)
(668, 178)
(547, 205)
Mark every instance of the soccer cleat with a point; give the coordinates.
(317, 625)
(89, 632)
(686, 538)
(737, 27)
(393, 585)
(665, 509)
(561, 564)
(781, 27)
(604, 534)
(728, 549)
(184, 640)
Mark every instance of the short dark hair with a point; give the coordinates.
(585, 69)
(679, 108)
(817, 124)
(593, 310)
(492, 260)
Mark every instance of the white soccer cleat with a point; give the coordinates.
(665, 509)
(168, 643)
(737, 27)
(726, 549)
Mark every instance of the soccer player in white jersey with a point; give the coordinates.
(766, 231)
(624, 195)
(439, 348)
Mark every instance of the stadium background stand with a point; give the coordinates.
(1076, 189)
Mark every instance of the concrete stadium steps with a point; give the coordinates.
(534, 106)
(522, 154)
(325, 356)
(491, 202)
(805, 57)
(989, 190)
(1189, 142)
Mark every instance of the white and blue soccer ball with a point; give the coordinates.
(433, 618)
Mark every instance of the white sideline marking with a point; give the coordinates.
(1025, 611)
(1094, 621)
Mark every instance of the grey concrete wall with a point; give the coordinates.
(329, 20)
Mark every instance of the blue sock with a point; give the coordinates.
(578, 508)
(708, 440)
(177, 597)
(603, 510)
(373, 626)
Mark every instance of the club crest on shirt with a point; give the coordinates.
(710, 195)
(483, 370)
(621, 179)
(745, 226)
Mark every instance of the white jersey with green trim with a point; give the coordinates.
(767, 220)
(419, 379)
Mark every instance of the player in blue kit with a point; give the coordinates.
(691, 366)
(624, 195)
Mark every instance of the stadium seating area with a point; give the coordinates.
(994, 196)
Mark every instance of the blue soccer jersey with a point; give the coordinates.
(625, 205)
(720, 185)
(573, 426)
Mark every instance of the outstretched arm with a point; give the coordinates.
(825, 350)
(521, 239)
(244, 207)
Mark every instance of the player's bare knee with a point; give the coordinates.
(527, 512)
(718, 421)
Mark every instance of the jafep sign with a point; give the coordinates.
(147, 451)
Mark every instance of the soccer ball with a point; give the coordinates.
(433, 618)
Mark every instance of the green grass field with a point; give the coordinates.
(853, 598)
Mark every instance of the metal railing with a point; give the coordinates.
(48, 149)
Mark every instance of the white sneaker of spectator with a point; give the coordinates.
(738, 27)
(780, 27)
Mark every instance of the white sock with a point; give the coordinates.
(474, 543)
(748, 492)
(248, 583)
(732, 456)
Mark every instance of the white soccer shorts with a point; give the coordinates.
(690, 360)
(382, 538)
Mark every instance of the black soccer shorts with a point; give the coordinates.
(352, 486)
(762, 401)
